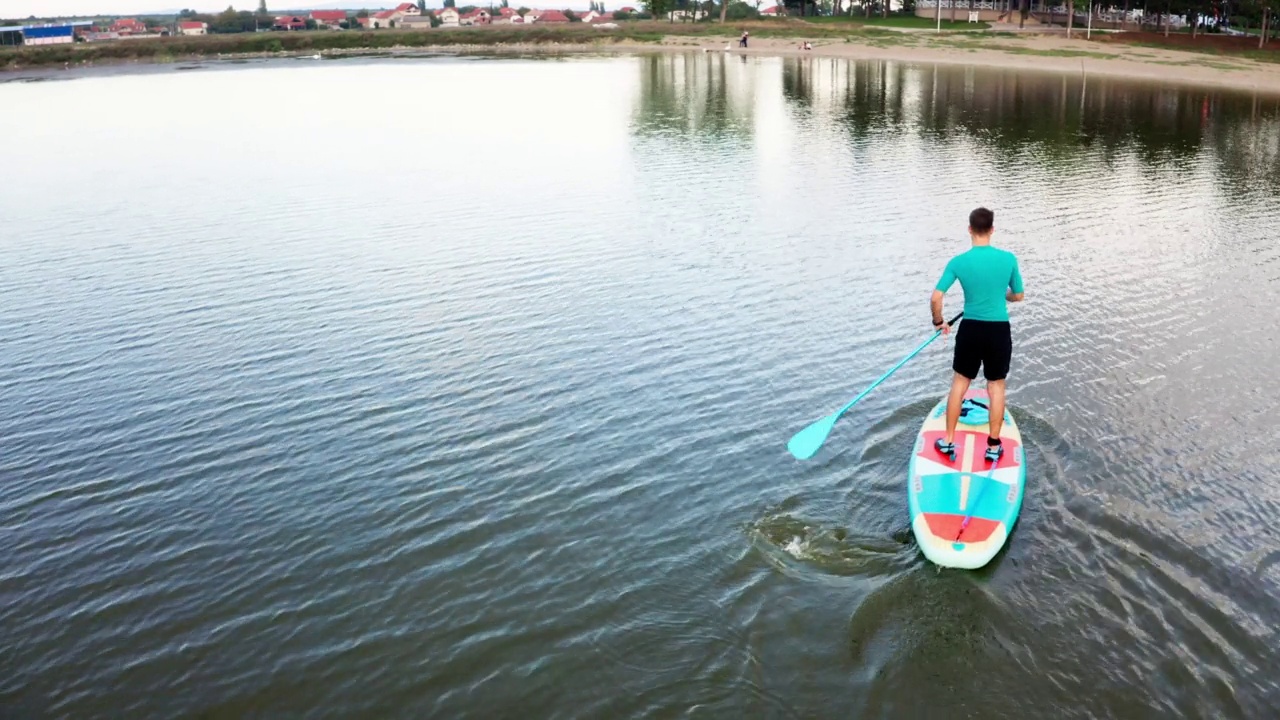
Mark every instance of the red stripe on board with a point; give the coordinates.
(980, 464)
(947, 527)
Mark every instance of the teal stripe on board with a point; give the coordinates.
(940, 494)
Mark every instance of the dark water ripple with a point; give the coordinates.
(453, 420)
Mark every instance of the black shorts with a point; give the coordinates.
(985, 343)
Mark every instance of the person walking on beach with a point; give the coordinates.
(743, 41)
(989, 278)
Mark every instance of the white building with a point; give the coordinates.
(416, 22)
(449, 17)
(46, 34)
(193, 28)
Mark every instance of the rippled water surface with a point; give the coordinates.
(461, 388)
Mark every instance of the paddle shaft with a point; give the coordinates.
(894, 369)
(804, 444)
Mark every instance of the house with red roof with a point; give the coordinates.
(290, 23)
(128, 26)
(627, 10)
(600, 19)
(588, 16)
(505, 16)
(479, 16)
(331, 19)
(408, 9)
(551, 16)
(193, 28)
(774, 11)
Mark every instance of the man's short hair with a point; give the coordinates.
(982, 220)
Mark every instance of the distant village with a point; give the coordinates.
(406, 16)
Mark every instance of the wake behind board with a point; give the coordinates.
(942, 492)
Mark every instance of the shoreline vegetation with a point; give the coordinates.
(1139, 55)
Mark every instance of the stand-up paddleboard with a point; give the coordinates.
(942, 493)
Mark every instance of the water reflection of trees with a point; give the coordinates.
(699, 94)
(1015, 117)
(1056, 118)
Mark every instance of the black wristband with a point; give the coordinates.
(939, 322)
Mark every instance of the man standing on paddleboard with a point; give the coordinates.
(989, 278)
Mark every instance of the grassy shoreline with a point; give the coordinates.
(1131, 55)
(178, 48)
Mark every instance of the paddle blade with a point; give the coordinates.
(807, 442)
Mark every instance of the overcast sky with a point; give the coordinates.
(56, 8)
(20, 9)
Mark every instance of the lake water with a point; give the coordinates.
(461, 388)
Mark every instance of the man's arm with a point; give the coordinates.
(1014, 294)
(935, 307)
(935, 302)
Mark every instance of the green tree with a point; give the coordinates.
(249, 22)
(657, 8)
(450, 4)
(422, 6)
(573, 16)
(1260, 12)
(365, 13)
(227, 21)
(262, 7)
(522, 11)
